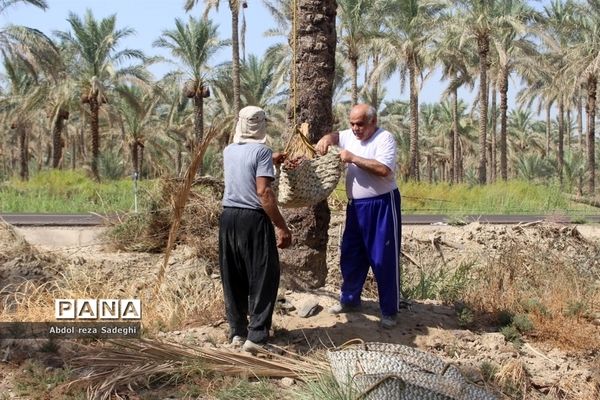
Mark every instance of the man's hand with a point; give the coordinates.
(347, 156)
(328, 140)
(278, 158)
(322, 146)
(284, 237)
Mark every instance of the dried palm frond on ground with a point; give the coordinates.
(130, 363)
(178, 201)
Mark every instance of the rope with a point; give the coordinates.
(294, 59)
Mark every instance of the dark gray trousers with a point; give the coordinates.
(249, 265)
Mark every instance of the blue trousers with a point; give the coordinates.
(372, 239)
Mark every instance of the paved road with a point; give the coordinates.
(95, 220)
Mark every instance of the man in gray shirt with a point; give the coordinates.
(251, 228)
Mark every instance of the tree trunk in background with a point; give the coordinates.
(503, 89)
(413, 171)
(23, 152)
(580, 122)
(561, 135)
(568, 130)
(95, 129)
(198, 122)
(429, 169)
(135, 162)
(483, 47)
(141, 160)
(354, 77)
(455, 139)
(57, 141)
(494, 151)
(305, 263)
(73, 151)
(548, 128)
(198, 119)
(234, 6)
(591, 133)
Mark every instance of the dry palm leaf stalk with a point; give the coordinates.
(129, 363)
(178, 203)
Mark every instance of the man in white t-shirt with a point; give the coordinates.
(373, 222)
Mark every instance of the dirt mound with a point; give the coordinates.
(23, 266)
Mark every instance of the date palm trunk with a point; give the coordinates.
(135, 157)
(548, 128)
(582, 135)
(354, 72)
(592, 86)
(414, 119)
(561, 136)
(305, 263)
(95, 130)
(493, 134)
(57, 140)
(234, 6)
(455, 139)
(483, 47)
(503, 114)
(23, 152)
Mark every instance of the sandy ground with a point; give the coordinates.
(427, 325)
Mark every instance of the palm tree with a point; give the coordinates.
(560, 33)
(511, 46)
(95, 44)
(193, 44)
(259, 85)
(457, 68)
(481, 19)
(532, 166)
(585, 62)
(39, 54)
(408, 24)
(355, 30)
(234, 7)
(20, 104)
(136, 111)
(523, 132)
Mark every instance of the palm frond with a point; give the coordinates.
(128, 363)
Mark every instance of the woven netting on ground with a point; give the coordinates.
(393, 371)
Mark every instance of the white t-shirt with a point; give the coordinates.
(381, 147)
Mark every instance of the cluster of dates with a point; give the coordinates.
(293, 163)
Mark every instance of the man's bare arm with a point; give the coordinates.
(269, 203)
(370, 165)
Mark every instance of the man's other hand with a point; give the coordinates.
(284, 237)
(278, 158)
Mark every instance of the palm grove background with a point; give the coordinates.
(78, 99)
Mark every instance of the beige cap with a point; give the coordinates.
(251, 126)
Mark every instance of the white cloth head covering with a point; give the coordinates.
(251, 126)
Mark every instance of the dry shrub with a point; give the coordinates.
(149, 231)
(512, 378)
(186, 299)
(558, 292)
(187, 295)
(25, 272)
(570, 388)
